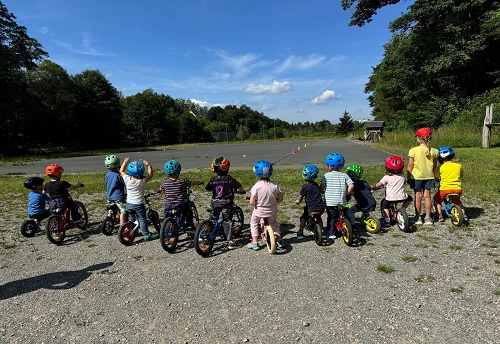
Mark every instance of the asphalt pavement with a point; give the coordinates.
(242, 156)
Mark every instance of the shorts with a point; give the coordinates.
(441, 194)
(122, 206)
(305, 214)
(422, 184)
(386, 204)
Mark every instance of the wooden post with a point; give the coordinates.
(487, 126)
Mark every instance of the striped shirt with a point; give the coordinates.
(176, 190)
(335, 184)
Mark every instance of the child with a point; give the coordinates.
(223, 186)
(58, 189)
(176, 191)
(365, 202)
(36, 199)
(336, 186)
(265, 196)
(451, 174)
(115, 186)
(311, 192)
(393, 182)
(421, 172)
(135, 182)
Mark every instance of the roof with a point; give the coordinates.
(374, 125)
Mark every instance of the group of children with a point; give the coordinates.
(334, 190)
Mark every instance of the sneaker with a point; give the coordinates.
(428, 221)
(281, 244)
(150, 236)
(300, 235)
(232, 245)
(252, 246)
(441, 218)
(331, 235)
(417, 220)
(386, 224)
(466, 218)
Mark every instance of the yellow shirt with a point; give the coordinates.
(422, 164)
(451, 176)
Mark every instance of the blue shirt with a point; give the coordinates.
(115, 186)
(36, 203)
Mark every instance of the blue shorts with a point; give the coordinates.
(422, 184)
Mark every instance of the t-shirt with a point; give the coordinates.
(336, 184)
(266, 198)
(36, 203)
(222, 187)
(394, 187)
(135, 189)
(312, 195)
(451, 176)
(115, 186)
(176, 190)
(422, 164)
(363, 195)
(57, 189)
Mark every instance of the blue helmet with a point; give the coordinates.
(172, 167)
(263, 169)
(310, 171)
(335, 160)
(446, 152)
(136, 168)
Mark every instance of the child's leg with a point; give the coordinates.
(140, 210)
(330, 218)
(351, 214)
(437, 202)
(73, 207)
(272, 221)
(428, 202)
(418, 201)
(254, 228)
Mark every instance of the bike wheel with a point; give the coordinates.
(403, 220)
(456, 215)
(204, 239)
(126, 233)
(55, 229)
(84, 218)
(168, 236)
(108, 226)
(270, 239)
(372, 225)
(238, 220)
(155, 219)
(318, 234)
(29, 228)
(196, 217)
(347, 233)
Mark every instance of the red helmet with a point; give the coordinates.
(423, 132)
(394, 164)
(54, 170)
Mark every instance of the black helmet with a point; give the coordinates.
(32, 182)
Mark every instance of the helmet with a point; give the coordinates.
(172, 167)
(54, 170)
(310, 171)
(263, 169)
(32, 182)
(136, 168)
(112, 162)
(335, 160)
(423, 132)
(354, 171)
(220, 165)
(394, 164)
(446, 152)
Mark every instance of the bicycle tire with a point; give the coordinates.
(108, 226)
(126, 233)
(168, 237)
(196, 216)
(403, 220)
(270, 239)
(84, 218)
(55, 229)
(29, 228)
(347, 233)
(238, 219)
(204, 238)
(373, 225)
(456, 215)
(318, 234)
(154, 218)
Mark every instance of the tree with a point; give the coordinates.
(364, 9)
(346, 124)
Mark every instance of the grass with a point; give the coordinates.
(385, 268)
(424, 278)
(409, 259)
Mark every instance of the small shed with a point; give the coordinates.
(373, 131)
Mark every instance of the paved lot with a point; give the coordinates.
(242, 156)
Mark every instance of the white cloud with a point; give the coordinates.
(324, 97)
(275, 88)
(301, 63)
(201, 103)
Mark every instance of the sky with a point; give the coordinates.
(293, 60)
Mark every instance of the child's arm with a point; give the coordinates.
(350, 190)
(252, 199)
(150, 171)
(196, 182)
(124, 166)
(75, 186)
(299, 199)
(409, 169)
(279, 198)
(435, 168)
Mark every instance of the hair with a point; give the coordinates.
(426, 141)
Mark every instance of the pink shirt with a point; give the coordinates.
(394, 187)
(266, 194)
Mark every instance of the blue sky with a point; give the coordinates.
(295, 60)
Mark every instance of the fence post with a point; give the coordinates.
(487, 126)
